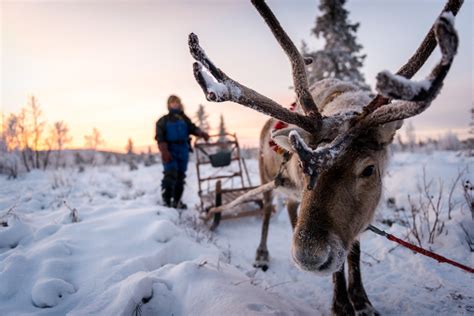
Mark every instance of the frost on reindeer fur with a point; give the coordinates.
(335, 97)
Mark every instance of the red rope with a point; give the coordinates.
(420, 250)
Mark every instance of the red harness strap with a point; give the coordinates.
(417, 249)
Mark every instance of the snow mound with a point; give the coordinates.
(16, 232)
(162, 231)
(50, 292)
(132, 256)
(190, 288)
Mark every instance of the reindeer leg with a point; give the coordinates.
(341, 305)
(292, 207)
(262, 256)
(356, 290)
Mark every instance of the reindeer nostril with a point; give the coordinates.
(322, 256)
(310, 258)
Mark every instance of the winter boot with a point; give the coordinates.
(178, 193)
(179, 205)
(166, 196)
(168, 186)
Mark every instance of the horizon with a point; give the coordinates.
(136, 55)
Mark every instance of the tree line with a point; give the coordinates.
(28, 142)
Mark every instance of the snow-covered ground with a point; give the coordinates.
(129, 256)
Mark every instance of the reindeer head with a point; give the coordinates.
(341, 155)
(341, 202)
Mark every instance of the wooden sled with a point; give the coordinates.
(228, 180)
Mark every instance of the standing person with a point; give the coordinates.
(172, 135)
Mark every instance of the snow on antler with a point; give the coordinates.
(409, 98)
(215, 91)
(413, 97)
(306, 157)
(313, 161)
(417, 96)
(399, 87)
(447, 37)
(218, 87)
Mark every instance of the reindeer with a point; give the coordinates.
(337, 140)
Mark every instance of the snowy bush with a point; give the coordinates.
(430, 209)
(10, 164)
(449, 141)
(468, 190)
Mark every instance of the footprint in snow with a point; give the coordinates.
(263, 308)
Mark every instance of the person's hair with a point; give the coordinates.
(174, 99)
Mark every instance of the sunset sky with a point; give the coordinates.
(112, 64)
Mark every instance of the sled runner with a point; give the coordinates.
(225, 181)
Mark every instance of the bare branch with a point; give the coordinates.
(218, 87)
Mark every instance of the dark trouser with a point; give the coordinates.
(174, 173)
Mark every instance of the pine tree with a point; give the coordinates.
(131, 155)
(150, 158)
(129, 148)
(222, 130)
(411, 135)
(340, 57)
(470, 139)
(471, 124)
(202, 119)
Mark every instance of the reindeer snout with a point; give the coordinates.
(321, 253)
(311, 260)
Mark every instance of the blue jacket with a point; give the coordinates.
(175, 128)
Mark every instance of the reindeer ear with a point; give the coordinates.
(387, 131)
(281, 136)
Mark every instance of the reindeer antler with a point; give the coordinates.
(300, 79)
(418, 59)
(415, 97)
(220, 87)
(342, 129)
(224, 88)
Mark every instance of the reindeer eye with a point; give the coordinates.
(368, 171)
